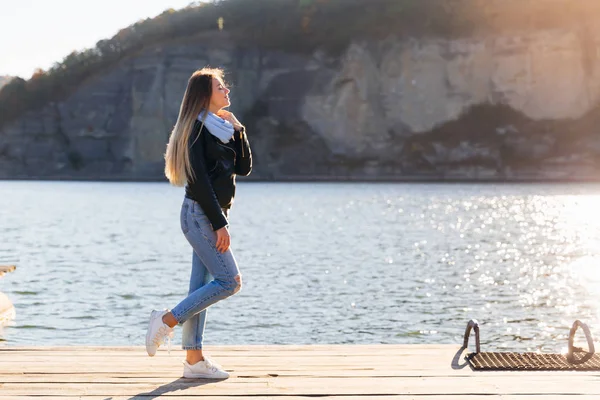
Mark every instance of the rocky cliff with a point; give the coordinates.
(4, 79)
(520, 106)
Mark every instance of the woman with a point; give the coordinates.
(206, 150)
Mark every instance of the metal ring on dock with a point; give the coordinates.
(588, 336)
(473, 324)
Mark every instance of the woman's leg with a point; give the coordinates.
(223, 267)
(193, 328)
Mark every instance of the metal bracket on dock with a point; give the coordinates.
(473, 324)
(588, 336)
(530, 361)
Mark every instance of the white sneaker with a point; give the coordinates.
(157, 331)
(213, 362)
(204, 369)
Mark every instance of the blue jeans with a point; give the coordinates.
(215, 276)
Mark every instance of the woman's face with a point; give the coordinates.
(220, 95)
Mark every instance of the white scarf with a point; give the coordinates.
(217, 126)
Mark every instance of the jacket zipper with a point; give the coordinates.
(234, 153)
(242, 133)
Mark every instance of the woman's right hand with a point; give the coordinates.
(223, 239)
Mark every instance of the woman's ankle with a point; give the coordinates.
(169, 320)
(194, 360)
(194, 356)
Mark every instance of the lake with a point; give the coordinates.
(321, 262)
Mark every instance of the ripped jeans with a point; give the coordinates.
(215, 276)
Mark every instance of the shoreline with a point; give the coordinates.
(327, 179)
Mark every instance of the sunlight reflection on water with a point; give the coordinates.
(322, 263)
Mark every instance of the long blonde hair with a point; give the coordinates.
(196, 98)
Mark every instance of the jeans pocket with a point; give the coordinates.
(183, 218)
(202, 224)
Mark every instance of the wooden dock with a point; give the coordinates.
(343, 372)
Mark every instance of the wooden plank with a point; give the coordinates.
(358, 397)
(391, 397)
(310, 386)
(350, 349)
(129, 379)
(256, 368)
(258, 351)
(174, 370)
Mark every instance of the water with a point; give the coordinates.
(322, 263)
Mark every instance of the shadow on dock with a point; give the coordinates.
(456, 359)
(178, 384)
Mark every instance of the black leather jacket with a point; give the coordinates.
(215, 165)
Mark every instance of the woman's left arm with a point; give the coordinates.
(243, 161)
